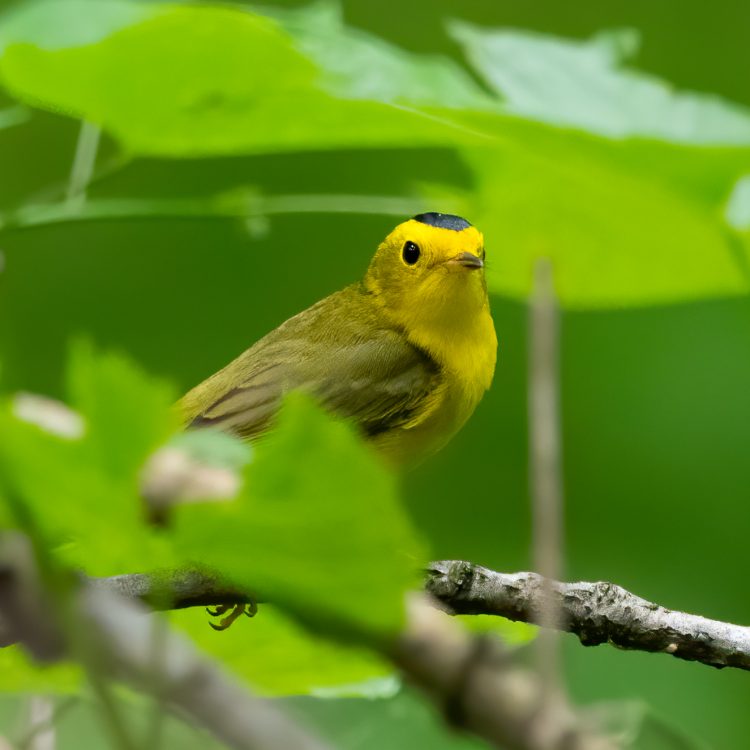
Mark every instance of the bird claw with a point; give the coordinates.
(234, 610)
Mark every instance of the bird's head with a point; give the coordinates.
(430, 269)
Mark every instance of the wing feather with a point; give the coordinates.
(377, 378)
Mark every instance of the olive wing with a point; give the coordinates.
(379, 380)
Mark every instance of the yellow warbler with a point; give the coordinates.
(407, 353)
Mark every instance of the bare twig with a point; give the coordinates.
(178, 589)
(474, 681)
(483, 690)
(546, 482)
(124, 636)
(119, 637)
(596, 612)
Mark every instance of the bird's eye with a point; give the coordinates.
(410, 253)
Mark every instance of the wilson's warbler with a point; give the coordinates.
(407, 353)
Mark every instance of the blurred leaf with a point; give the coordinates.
(213, 447)
(178, 84)
(405, 721)
(128, 414)
(80, 723)
(84, 493)
(48, 23)
(318, 534)
(22, 675)
(624, 224)
(737, 211)
(358, 65)
(634, 724)
(277, 656)
(318, 528)
(513, 633)
(13, 116)
(583, 84)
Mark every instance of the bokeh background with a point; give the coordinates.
(656, 403)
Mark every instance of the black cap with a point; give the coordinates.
(443, 221)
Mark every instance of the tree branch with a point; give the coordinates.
(475, 681)
(113, 636)
(177, 589)
(482, 689)
(596, 612)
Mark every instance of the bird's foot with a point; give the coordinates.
(234, 610)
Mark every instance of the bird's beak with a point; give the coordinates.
(467, 260)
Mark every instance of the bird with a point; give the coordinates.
(406, 353)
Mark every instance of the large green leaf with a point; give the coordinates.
(326, 541)
(47, 23)
(357, 65)
(318, 528)
(128, 413)
(194, 80)
(625, 221)
(584, 85)
(13, 116)
(84, 493)
(271, 652)
(277, 656)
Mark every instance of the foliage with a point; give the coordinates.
(248, 162)
(628, 209)
(293, 535)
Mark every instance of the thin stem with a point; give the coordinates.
(84, 162)
(546, 483)
(61, 707)
(244, 204)
(40, 734)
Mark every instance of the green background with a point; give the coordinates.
(656, 403)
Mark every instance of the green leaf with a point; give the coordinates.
(84, 494)
(635, 724)
(583, 84)
(737, 212)
(405, 721)
(358, 65)
(630, 223)
(318, 529)
(513, 633)
(21, 674)
(128, 414)
(625, 221)
(11, 116)
(277, 656)
(213, 448)
(272, 653)
(282, 536)
(47, 23)
(79, 723)
(192, 81)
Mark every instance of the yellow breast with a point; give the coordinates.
(467, 353)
